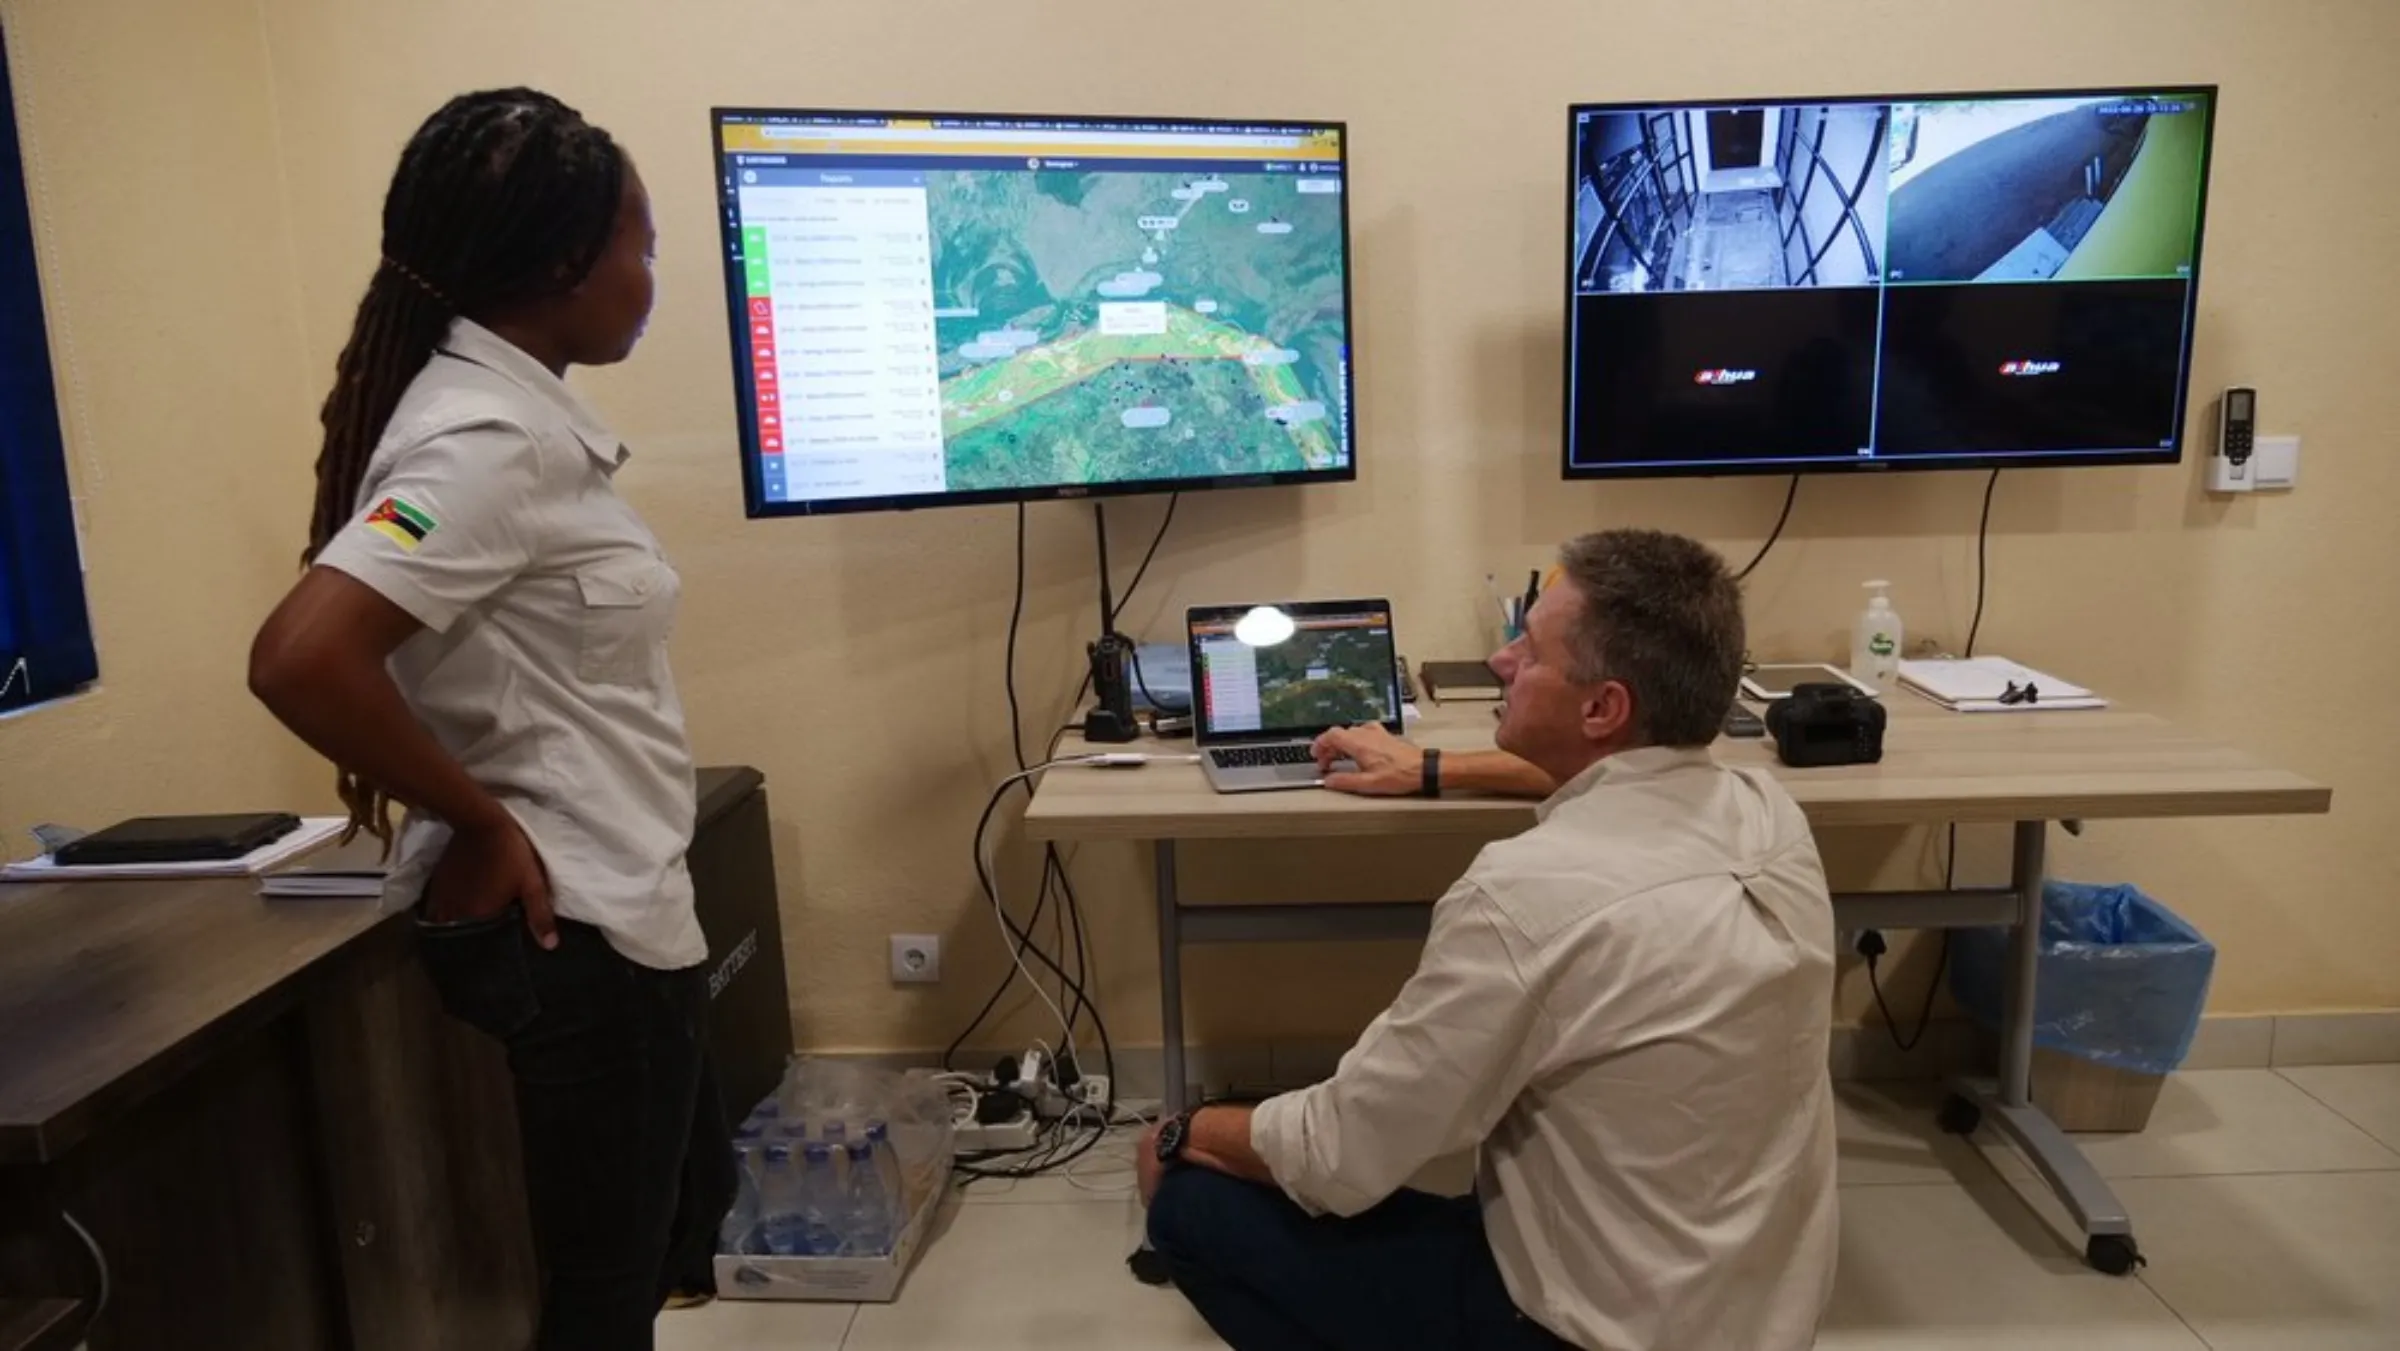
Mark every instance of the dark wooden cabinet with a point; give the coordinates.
(268, 1127)
(425, 1190)
(733, 877)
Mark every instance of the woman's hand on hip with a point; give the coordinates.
(486, 869)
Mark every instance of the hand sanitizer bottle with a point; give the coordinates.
(1875, 641)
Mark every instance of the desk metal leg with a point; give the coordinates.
(1144, 1262)
(2025, 874)
(1170, 979)
(2007, 1103)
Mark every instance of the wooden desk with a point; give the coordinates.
(1939, 768)
(39, 1324)
(262, 1118)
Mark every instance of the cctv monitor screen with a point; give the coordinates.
(929, 310)
(1883, 283)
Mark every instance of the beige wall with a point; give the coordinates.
(209, 173)
(151, 145)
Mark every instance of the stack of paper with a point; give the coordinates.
(324, 883)
(356, 870)
(1979, 685)
(314, 833)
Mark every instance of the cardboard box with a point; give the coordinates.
(2082, 1096)
(840, 1280)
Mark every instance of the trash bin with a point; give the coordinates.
(2123, 982)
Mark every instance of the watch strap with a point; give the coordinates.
(1174, 1136)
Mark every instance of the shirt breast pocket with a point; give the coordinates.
(628, 611)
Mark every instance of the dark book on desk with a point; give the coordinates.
(1451, 681)
(178, 839)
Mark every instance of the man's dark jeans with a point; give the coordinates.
(627, 1167)
(1416, 1271)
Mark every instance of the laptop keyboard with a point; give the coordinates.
(1255, 757)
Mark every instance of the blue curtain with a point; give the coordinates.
(45, 631)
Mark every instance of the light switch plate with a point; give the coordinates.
(2275, 464)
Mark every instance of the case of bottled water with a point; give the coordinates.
(838, 1174)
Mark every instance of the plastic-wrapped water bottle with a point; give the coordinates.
(866, 1215)
(781, 1230)
(837, 1133)
(818, 1219)
(888, 1177)
(741, 1231)
(766, 1116)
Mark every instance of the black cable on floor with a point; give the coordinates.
(1021, 935)
(1044, 1155)
(1016, 737)
(1077, 1002)
(1790, 495)
(1933, 985)
(1924, 1010)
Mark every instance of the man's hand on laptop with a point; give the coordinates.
(1386, 765)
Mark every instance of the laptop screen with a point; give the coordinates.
(1293, 669)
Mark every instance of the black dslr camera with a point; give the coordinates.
(1826, 724)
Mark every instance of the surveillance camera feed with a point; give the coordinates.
(1883, 283)
(933, 310)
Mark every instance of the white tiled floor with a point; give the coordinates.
(2268, 1203)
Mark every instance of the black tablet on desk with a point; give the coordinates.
(178, 839)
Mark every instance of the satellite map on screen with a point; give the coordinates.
(1325, 677)
(1102, 327)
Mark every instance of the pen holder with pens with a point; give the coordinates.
(1498, 621)
(1504, 610)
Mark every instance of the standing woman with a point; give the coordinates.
(481, 638)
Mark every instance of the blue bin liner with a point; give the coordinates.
(2123, 978)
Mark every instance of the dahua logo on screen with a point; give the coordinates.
(2022, 369)
(1724, 375)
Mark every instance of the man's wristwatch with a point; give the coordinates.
(1173, 1136)
(1433, 775)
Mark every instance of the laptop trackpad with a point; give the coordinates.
(1296, 774)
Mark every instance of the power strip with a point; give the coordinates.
(1018, 1132)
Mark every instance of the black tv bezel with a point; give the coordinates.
(756, 507)
(2053, 459)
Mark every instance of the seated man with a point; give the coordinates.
(1623, 1011)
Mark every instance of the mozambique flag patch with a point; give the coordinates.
(402, 523)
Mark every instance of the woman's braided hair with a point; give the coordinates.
(501, 197)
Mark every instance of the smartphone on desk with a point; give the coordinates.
(1741, 722)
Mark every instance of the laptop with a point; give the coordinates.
(1268, 678)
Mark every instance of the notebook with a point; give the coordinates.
(1979, 684)
(1452, 681)
(356, 870)
(314, 833)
